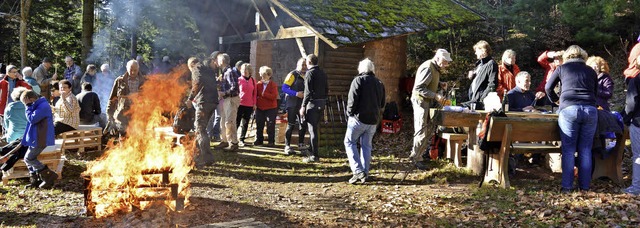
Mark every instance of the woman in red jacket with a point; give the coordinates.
(267, 107)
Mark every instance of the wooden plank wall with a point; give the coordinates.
(341, 66)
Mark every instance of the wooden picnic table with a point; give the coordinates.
(470, 120)
(610, 167)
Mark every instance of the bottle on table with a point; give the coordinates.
(505, 101)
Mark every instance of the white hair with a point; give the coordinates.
(365, 66)
(104, 67)
(17, 92)
(27, 72)
(508, 53)
(130, 63)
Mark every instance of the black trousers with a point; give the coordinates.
(294, 121)
(269, 117)
(244, 113)
(60, 128)
(313, 117)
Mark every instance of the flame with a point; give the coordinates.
(117, 175)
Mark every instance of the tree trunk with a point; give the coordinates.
(134, 45)
(87, 29)
(24, 19)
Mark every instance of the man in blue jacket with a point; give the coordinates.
(39, 134)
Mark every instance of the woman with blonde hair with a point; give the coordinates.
(605, 83)
(577, 113)
(266, 107)
(507, 71)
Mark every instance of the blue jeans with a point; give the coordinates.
(357, 131)
(634, 133)
(213, 128)
(577, 126)
(31, 159)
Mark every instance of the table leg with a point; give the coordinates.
(475, 159)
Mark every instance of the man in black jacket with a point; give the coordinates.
(90, 111)
(316, 89)
(366, 99)
(204, 97)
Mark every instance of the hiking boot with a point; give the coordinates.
(258, 143)
(222, 145)
(241, 144)
(311, 159)
(232, 148)
(215, 139)
(359, 177)
(34, 181)
(289, 151)
(48, 177)
(271, 144)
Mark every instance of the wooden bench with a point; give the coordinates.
(454, 147)
(84, 138)
(526, 131)
(52, 156)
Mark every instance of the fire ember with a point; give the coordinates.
(142, 170)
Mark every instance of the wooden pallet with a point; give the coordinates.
(84, 138)
(52, 156)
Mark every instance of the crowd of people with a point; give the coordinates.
(226, 98)
(579, 85)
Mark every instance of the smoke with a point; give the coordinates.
(162, 27)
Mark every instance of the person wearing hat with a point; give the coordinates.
(41, 74)
(424, 93)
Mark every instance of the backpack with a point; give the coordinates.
(489, 147)
(391, 111)
(183, 120)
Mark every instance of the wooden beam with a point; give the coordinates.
(304, 23)
(301, 47)
(267, 17)
(285, 33)
(236, 28)
(316, 45)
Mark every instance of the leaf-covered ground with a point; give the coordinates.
(281, 191)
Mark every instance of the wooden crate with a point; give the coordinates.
(52, 156)
(84, 138)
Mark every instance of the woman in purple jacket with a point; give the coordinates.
(605, 83)
(39, 134)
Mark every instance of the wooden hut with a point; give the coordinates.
(276, 33)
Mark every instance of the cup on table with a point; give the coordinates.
(473, 107)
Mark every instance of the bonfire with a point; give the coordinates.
(129, 175)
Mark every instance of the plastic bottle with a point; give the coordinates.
(453, 98)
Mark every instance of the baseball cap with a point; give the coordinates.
(445, 54)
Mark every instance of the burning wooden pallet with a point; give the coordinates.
(84, 138)
(52, 156)
(164, 185)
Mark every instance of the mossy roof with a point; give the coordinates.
(356, 21)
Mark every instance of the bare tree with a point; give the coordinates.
(24, 19)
